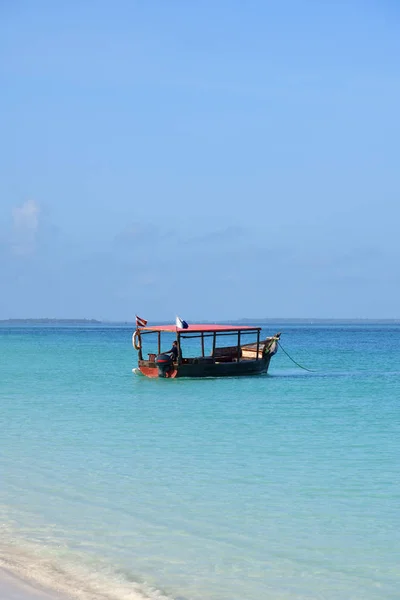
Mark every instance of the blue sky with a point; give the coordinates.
(213, 159)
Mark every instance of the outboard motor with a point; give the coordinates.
(164, 363)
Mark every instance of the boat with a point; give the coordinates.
(222, 361)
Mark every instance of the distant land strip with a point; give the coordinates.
(244, 321)
(45, 321)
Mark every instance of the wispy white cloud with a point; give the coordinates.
(25, 228)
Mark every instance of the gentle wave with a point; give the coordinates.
(64, 573)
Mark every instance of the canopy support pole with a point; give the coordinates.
(258, 343)
(178, 339)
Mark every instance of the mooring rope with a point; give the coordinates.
(292, 359)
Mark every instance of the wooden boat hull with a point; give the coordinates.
(204, 368)
(150, 370)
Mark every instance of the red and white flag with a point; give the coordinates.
(140, 322)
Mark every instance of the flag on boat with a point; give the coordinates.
(180, 323)
(140, 322)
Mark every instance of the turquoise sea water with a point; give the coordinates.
(285, 486)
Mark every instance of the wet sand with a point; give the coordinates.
(14, 588)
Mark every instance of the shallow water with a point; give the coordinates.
(282, 486)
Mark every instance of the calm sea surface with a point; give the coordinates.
(285, 486)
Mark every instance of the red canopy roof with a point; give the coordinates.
(199, 328)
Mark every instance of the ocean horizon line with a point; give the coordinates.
(244, 320)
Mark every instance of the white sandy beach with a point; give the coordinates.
(15, 588)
